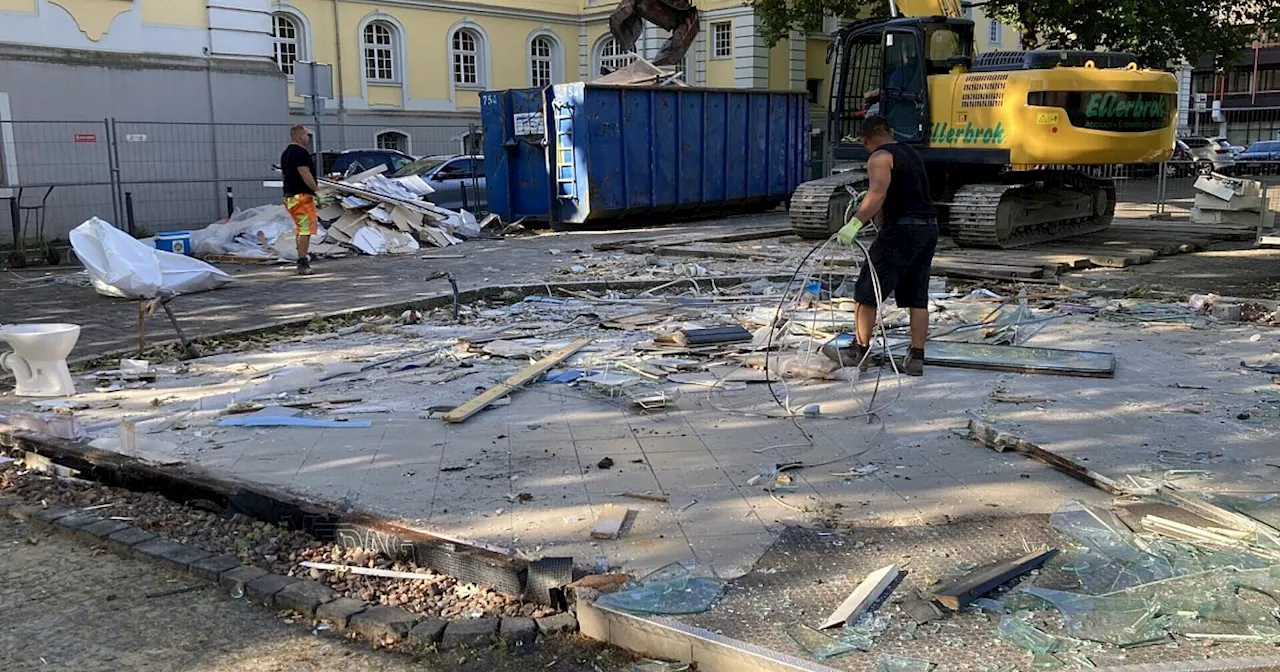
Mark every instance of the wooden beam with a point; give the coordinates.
(983, 580)
(1000, 441)
(515, 382)
(863, 597)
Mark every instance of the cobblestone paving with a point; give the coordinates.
(65, 606)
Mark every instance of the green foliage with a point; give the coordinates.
(1162, 32)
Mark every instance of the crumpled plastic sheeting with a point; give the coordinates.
(670, 590)
(121, 266)
(266, 232)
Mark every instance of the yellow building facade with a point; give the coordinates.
(425, 56)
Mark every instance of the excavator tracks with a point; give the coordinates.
(1042, 206)
(817, 207)
(1056, 206)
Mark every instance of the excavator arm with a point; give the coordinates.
(949, 8)
(678, 16)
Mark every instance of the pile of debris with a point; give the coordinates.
(1230, 205)
(367, 213)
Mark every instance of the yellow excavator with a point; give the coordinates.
(1011, 139)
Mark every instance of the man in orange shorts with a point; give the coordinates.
(300, 187)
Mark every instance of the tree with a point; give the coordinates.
(1161, 31)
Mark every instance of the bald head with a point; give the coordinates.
(300, 135)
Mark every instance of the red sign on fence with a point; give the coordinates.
(86, 137)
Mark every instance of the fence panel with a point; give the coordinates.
(64, 165)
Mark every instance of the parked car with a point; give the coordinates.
(458, 180)
(336, 164)
(1234, 150)
(1260, 158)
(1208, 156)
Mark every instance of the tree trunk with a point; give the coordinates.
(1030, 40)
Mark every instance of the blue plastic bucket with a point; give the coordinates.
(178, 242)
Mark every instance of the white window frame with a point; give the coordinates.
(543, 64)
(297, 41)
(614, 59)
(377, 50)
(995, 32)
(722, 49)
(458, 58)
(406, 140)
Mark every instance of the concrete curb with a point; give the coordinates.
(378, 624)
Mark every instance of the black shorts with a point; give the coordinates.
(902, 255)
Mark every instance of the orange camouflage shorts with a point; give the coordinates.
(302, 208)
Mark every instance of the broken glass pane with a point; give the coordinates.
(1016, 358)
(670, 590)
(863, 632)
(1022, 634)
(816, 644)
(1123, 621)
(892, 663)
(1045, 661)
(1101, 531)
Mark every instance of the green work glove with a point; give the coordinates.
(849, 231)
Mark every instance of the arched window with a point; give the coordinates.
(380, 41)
(467, 49)
(611, 57)
(286, 36)
(542, 59)
(393, 140)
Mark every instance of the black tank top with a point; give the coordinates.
(908, 194)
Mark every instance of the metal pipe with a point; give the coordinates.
(128, 213)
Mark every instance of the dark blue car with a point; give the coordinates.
(1260, 158)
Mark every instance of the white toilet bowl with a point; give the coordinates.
(39, 358)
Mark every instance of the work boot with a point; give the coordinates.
(304, 267)
(853, 355)
(912, 363)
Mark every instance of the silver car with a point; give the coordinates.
(1209, 156)
(458, 180)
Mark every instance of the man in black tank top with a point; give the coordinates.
(902, 253)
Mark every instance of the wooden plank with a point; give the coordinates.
(983, 580)
(738, 237)
(1107, 258)
(609, 523)
(515, 382)
(1269, 241)
(863, 597)
(1000, 441)
(1219, 515)
(959, 268)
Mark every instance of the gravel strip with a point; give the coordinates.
(275, 549)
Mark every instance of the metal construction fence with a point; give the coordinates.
(164, 176)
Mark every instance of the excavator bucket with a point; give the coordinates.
(678, 16)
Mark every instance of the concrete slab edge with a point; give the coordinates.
(324, 520)
(669, 639)
(427, 302)
(275, 591)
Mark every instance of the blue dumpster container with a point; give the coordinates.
(515, 156)
(625, 152)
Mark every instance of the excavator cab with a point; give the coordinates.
(882, 68)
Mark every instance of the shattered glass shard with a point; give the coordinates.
(669, 590)
(1022, 634)
(816, 644)
(893, 663)
(658, 666)
(1123, 621)
(1101, 531)
(863, 632)
(1046, 661)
